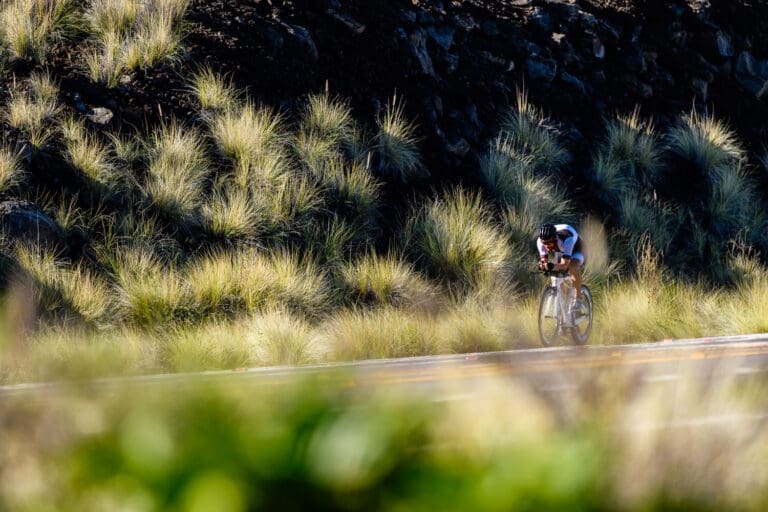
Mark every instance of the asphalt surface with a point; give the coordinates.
(542, 368)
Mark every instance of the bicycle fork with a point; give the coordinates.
(562, 309)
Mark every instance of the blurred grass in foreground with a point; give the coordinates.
(611, 445)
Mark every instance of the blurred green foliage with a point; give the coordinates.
(207, 449)
(256, 446)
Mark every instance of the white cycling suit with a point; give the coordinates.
(567, 245)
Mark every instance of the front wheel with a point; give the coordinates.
(550, 319)
(582, 320)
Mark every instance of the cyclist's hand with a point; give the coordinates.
(546, 265)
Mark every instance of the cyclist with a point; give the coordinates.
(565, 242)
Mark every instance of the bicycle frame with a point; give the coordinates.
(561, 282)
(555, 316)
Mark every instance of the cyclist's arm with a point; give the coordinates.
(543, 254)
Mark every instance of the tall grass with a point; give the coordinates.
(706, 142)
(63, 290)
(291, 207)
(480, 326)
(332, 241)
(251, 281)
(88, 154)
(178, 170)
(716, 190)
(32, 107)
(456, 240)
(31, 27)
(11, 171)
(532, 133)
(130, 35)
(380, 333)
(67, 352)
(104, 61)
(216, 284)
(745, 314)
(397, 143)
(232, 214)
(295, 282)
(328, 130)
(631, 142)
(511, 179)
(642, 217)
(379, 280)
(113, 16)
(268, 339)
(350, 190)
(733, 203)
(150, 292)
(213, 91)
(328, 118)
(246, 132)
(42, 268)
(653, 306)
(159, 37)
(280, 338)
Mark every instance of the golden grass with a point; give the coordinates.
(178, 168)
(11, 172)
(64, 290)
(150, 292)
(379, 280)
(349, 189)
(456, 239)
(86, 153)
(632, 145)
(397, 143)
(107, 17)
(706, 141)
(328, 118)
(213, 91)
(32, 107)
(270, 338)
(129, 35)
(247, 132)
(379, 333)
(232, 214)
(30, 27)
(533, 134)
(63, 353)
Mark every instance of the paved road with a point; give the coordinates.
(542, 368)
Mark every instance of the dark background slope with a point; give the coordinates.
(458, 65)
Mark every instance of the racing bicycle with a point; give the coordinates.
(556, 320)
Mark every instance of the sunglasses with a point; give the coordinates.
(551, 241)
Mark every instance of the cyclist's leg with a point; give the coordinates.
(574, 268)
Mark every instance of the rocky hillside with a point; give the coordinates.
(456, 64)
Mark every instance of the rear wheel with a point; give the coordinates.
(582, 320)
(549, 317)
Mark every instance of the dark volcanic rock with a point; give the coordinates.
(578, 60)
(23, 221)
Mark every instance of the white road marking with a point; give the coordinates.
(748, 371)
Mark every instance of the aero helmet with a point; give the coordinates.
(547, 231)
